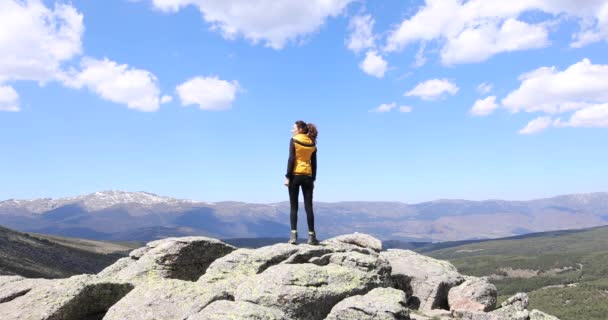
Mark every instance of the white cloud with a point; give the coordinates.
(432, 89)
(35, 40)
(405, 109)
(374, 64)
(210, 93)
(166, 99)
(478, 44)
(273, 22)
(493, 26)
(552, 91)
(385, 107)
(361, 35)
(9, 99)
(420, 59)
(593, 116)
(484, 107)
(484, 88)
(119, 83)
(593, 32)
(537, 125)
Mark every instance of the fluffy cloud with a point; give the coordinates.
(478, 44)
(273, 22)
(405, 109)
(119, 83)
(593, 116)
(361, 35)
(385, 107)
(166, 99)
(35, 40)
(484, 107)
(537, 125)
(549, 90)
(9, 99)
(210, 93)
(484, 88)
(432, 89)
(374, 64)
(494, 26)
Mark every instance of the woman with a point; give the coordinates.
(302, 172)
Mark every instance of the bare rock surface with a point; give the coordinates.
(73, 298)
(184, 258)
(475, 294)
(379, 303)
(430, 279)
(356, 239)
(309, 291)
(223, 309)
(164, 299)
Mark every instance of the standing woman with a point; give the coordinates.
(302, 172)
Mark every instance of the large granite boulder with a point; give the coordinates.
(184, 258)
(475, 294)
(355, 242)
(430, 279)
(12, 287)
(229, 271)
(309, 291)
(223, 309)
(514, 308)
(378, 304)
(164, 299)
(74, 298)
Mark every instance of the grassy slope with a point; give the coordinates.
(42, 256)
(582, 256)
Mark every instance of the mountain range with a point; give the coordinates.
(144, 216)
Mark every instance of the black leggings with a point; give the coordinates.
(307, 185)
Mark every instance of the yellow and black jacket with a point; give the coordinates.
(302, 157)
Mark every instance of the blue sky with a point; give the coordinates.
(414, 100)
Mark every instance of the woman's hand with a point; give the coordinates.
(286, 183)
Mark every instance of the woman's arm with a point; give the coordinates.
(291, 160)
(313, 163)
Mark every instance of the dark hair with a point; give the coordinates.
(308, 128)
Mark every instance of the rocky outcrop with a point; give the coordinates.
(195, 278)
(379, 303)
(75, 298)
(430, 279)
(309, 291)
(175, 258)
(223, 309)
(12, 287)
(475, 294)
(165, 299)
(514, 308)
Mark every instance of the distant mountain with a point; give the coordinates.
(43, 256)
(143, 216)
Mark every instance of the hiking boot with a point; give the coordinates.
(312, 239)
(293, 238)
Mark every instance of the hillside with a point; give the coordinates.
(43, 256)
(565, 272)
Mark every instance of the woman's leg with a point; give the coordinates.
(307, 189)
(294, 189)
